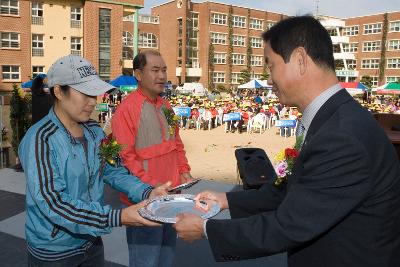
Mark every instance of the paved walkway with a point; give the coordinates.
(12, 237)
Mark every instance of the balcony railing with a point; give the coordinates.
(76, 24)
(37, 52)
(76, 52)
(143, 19)
(37, 20)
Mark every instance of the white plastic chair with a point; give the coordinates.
(259, 122)
(198, 123)
(207, 119)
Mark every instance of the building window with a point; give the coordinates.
(255, 76)
(392, 79)
(256, 42)
(270, 24)
(239, 40)
(11, 73)
(217, 18)
(149, 19)
(374, 81)
(239, 21)
(351, 64)
(127, 53)
(219, 58)
(10, 40)
(104, 43)
(218, 77)
(394, 26)
(76, 46)
(235, 78)
(180, 27)
(37, 45)
(76, 17)
(9, 7)
(370, 63)
(372, 28)
(147, 40)
(37, 13)
(372, 46)
(218, 38)
(37, 70)
(256, 60)
(350, 48)
(394, 45)
(350, 31)
(256, 24)
(393, 63)
(238, 59)
(127, 39)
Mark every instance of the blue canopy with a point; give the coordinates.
(124, 80)
(30, 83)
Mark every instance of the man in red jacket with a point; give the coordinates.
(153, 151)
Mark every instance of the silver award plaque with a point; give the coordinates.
(166, 208)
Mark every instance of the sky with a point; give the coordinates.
(336, 8)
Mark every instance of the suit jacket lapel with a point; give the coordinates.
(326, 111)
(323, 114)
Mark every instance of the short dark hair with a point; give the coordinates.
(38, 86)
(139, 62)
(64, 89)
(302, 31)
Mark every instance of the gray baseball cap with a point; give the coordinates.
(78, 73)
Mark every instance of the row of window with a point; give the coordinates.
(371, 46)
(238, 40)
(237, 59)
(13, 73)
(146, 40)
(12, 40)
(219, 77)
(11, 7)
(239, 21)
(373, 63)
(371, 28)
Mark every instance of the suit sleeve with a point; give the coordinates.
(251, 202)
(48, 189)
(334, 181)
(124, 131)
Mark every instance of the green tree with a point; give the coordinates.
(244, 76)
(230, 46)
(249, 50)
(382, 62)
(221, 88)
(264, 75)
(20, 119)
(366, 80)
(211, 85)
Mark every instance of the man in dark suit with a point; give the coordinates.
(341, 205)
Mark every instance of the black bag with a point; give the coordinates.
(254, 167)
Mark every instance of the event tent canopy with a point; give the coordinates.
(29, 84)
(255, 84)
(389, 89)
(354, 88)
(125, 83)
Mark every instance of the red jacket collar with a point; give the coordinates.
(157, 102)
